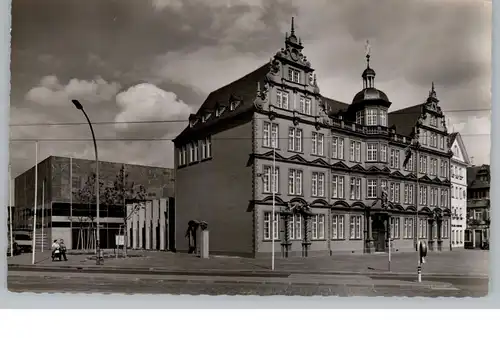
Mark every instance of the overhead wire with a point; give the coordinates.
(182, 120)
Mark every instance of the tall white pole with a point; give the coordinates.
(71, 193)
(10, 213)
(417, 221)
(33, 251)
(273, 187)
(389, 244)
(43, 206)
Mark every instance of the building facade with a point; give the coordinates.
(337, 175)
(459, 164)
(61, 212)
(478, 206)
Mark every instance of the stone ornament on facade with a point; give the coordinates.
(261, 97)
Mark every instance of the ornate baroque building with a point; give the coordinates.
(338, 172)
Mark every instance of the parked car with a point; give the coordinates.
(24, 241)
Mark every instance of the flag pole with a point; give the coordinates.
(417, 242)
(273, 187)
(10, 212)
(43, 207)
(71, 194)
(33, 250)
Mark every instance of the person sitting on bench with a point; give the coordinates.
(55, 247)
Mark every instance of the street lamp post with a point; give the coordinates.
(79, 106)
(417, 188)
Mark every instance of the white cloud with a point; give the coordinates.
(160, 5)
(51, 92)
(208, 68)
(476, 134)
(146, 102)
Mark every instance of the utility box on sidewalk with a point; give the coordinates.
(204, 245)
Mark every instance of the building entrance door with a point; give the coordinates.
(378, 234)
(478, 239)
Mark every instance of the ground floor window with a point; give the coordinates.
(338, 227)
(422, 228)
(445, 228)
(267, 225)
(408, 228)
(295, 227)
(318, 227)
(394, 222)
(434, 230)
(84, 238)
(355, 227)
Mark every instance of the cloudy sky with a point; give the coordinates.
(140, 60)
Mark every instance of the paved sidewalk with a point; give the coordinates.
(459, 262)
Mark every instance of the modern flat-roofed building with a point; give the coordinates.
(270, 140)
(63, 215)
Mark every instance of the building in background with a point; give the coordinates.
(458, 172)
(61, 181)
(8, 214)
(332, 161)
(478, 206)
(151, 225)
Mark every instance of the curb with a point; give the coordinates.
(300, 283)
(219, 272)
(153, 271)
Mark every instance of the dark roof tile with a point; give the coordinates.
(404, 120)
(452, 138)
(244, 89)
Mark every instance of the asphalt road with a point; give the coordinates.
(107, 284)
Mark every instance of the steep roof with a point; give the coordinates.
(244, 90)
(472, 173)
(405, 119)
(456, 137)
(335, 106)
(451, 138)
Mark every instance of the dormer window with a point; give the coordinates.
(233, 105)
(219, 111)
(206, 117)
(293, 75)
(192, 120)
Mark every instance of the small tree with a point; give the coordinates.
(122, 192)
(86, 196)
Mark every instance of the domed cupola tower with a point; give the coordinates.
(370, 105)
